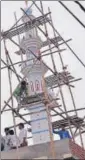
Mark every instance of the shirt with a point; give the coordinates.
(62, 134)
(22, 135)
(14, 141)
(7, 140)
(2, 143)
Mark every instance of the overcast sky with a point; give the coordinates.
(68, 28)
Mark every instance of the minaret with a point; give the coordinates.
(39, 121)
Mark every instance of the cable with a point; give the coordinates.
(83, 25)
(80, 5)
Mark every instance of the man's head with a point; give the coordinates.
(63, 128)
(6, 130)
(23, 84)
(21, 126)
(11, 132)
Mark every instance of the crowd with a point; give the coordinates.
(11, 141)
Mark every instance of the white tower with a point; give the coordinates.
(32, 43)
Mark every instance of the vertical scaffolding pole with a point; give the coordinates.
(55, 71)
(71, 94)
(18, 35)
(10, 84)
(52, 147)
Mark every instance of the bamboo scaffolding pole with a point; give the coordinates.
(18, 20)
(55, 71)
(14, 68)
(71, 94)
(73, 127)
(18, 35)
(12, 103)
(11, 69)
(47, 67)
(13, 92)
(18, 114)
(71, 81)
(72, 51)
(32, 58)
(43, 34)
(79, 109)
(59, 114)
(58, 44)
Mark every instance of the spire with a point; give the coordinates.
(26, 2)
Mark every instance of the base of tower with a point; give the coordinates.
(64, 149)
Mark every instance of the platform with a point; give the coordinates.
(64, 149)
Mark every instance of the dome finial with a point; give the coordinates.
(26, 2)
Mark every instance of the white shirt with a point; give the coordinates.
(22, 134)
(14, 141)
(7, 145)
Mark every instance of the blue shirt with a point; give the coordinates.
(62, 134)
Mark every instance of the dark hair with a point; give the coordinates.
(63, 125)
(2, 146)
(23, 83)
(11, 132)
(6, 129)
(21, 124)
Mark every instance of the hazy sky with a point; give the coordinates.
(68, 28)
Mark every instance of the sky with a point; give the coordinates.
(68, 27)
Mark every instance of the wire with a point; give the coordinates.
(80, 5)
(83, 25)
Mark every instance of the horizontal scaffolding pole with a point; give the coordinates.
(18, 114)
(78, 109)
(21, 62)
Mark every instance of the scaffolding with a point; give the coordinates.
(53, 81)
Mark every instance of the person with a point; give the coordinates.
(7, 139)
(20, 92)
(63, 133)
(22, 135)
(2, 143)
(20, 89)
(14, 141)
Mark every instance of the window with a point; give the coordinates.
(37, 85)
(31, 86)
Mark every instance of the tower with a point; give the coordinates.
(34, 71)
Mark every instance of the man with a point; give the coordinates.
(62, 133)
(20, 92)
(22, 135)
(7, 139)
(14, 141)
(2, 143)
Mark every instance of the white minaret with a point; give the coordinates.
(39, 121)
